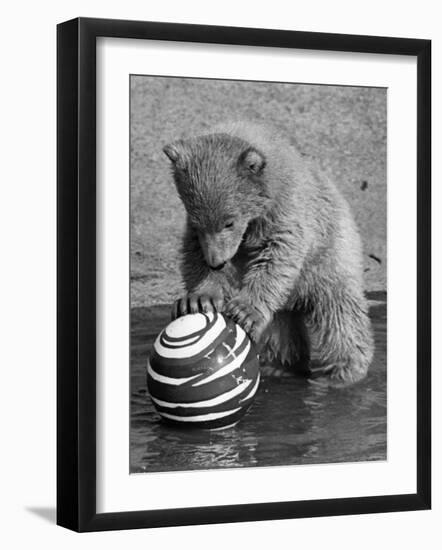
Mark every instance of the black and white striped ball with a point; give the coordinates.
(203, 371)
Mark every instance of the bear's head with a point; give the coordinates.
(221, 181)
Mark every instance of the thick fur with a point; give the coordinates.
(272, 242)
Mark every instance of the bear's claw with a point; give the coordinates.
(196, 303)
(247, 317)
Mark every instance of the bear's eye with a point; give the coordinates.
(229, 224)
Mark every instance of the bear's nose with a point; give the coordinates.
(218, 266)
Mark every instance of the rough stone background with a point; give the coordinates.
(343, 128)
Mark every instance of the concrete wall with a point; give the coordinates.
(343, 128)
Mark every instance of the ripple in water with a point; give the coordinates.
(291, 421)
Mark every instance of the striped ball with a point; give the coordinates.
(203, 371)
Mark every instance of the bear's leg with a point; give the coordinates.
(286, 342)
(343, 338)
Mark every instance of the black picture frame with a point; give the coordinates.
(77, 287)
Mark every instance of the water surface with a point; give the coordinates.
(291, 421)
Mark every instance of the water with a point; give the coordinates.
(291, 421)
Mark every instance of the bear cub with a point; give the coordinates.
(271, 242)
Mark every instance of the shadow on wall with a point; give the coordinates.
(47, 513)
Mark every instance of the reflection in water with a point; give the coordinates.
(291, 421)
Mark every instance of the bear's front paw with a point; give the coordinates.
(247, 317)
(197, 303)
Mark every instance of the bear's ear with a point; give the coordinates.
(253, 161)
(175, 152)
